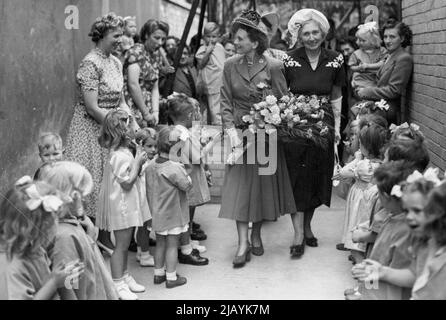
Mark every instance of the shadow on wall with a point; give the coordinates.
(39, 60)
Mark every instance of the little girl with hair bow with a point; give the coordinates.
(28, 224)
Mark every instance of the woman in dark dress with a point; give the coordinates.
(312, 70)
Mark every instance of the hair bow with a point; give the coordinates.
(382, 104)
(431, 175)
(50, 203)
(23, 181)
(405, 125)
(371, 26)
(396, 191)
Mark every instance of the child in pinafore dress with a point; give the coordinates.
(122, 207)
(76, 234)
(391, 248)
(28, 216)
(167, 186)
(181, 110)
(372, 138)
(369, 58)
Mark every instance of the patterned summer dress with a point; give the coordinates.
(103, 74)
(148, 76)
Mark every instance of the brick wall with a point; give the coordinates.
(427, 95)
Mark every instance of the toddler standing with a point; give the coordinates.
(167, 186)
(210, 62)
(121, 205)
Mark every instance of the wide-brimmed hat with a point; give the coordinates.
(302, 16)
(251, 19)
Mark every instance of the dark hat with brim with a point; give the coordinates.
(250, 19)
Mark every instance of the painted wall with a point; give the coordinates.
(39, 59)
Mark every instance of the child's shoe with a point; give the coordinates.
(176, 283)
(196, 245)
(146, 260)
(132, 285)
(123, 290)
(159, 279)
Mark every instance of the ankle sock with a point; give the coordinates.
(171, 276)
(160, 272)
(186, 249)
(145, 254)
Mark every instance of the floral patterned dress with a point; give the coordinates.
(148, 76)
(103, 74)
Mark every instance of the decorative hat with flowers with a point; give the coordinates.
(292, 116)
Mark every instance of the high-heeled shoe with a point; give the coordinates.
(257, 251)
(240, 261)
(297, 250)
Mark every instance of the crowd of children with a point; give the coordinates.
(394, 212)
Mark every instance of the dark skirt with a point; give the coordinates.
(250, 197)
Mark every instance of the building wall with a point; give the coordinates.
(427, 95)
(39, 60)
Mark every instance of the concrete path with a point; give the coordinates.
(322, 273)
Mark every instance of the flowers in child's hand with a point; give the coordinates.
(396, 191)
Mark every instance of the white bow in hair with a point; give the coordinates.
(50, 203)
(371, 26)
(23, 180)
(393, 127)
(396, 191)
(431, 175)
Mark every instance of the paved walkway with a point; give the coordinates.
(322, 273)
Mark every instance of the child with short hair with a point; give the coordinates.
(50, 149)
(28, 224)
(122, 206)
(393, 241)
(210, 62)
(372, 139)
(147, 138)
(369, 58)
(167, 184)
(72, 242)
(181, 110)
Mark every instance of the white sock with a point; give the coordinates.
(171, 276)
(160, 272)
(186, 249)
(145, 254)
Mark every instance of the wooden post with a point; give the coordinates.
(171, 77)
(201, 22)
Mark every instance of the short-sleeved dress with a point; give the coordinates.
(103, 74)
(22, 278)
(148, 76)
(247, 195)
(72, 243)
(118, 208)
(167, 186)
(311, 167)
(356, 209)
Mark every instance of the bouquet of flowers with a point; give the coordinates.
(292, 116)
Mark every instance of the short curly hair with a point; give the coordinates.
(403, 31)
(151, 26)
(103, 25)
